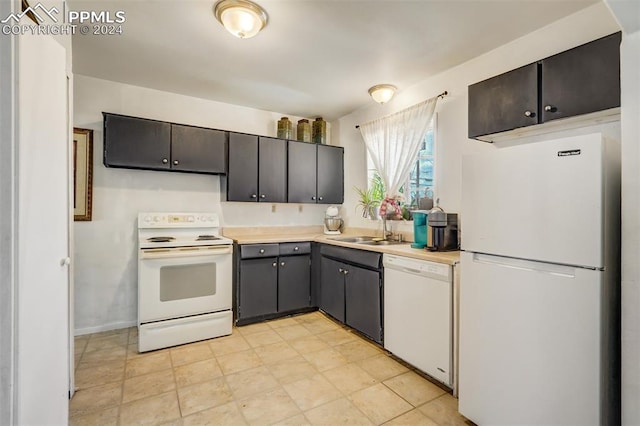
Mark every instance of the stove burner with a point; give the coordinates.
(160, 239)
(206, 237)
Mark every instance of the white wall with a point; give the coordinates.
(452, 142)
(631, 229)
(105, 248)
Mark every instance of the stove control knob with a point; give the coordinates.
(190, 219)
(156, 218)
(210, 218)
(147, 219)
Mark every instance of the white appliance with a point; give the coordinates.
(540, 282)
(332, 221)
(184, 279)
(418, 314)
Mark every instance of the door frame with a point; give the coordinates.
(8, 216)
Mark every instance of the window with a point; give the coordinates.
(421, 182)
(421, 178)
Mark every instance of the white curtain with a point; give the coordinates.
(394, 142)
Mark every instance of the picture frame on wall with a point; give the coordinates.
(82, 173)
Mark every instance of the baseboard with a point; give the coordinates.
(106, 327)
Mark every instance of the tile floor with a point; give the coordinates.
(293, 371)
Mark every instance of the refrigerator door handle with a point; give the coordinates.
(526, 265)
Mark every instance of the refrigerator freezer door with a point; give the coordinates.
(540, 201)
(529, 342)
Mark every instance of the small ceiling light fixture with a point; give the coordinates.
(242, 18)
(382, 93)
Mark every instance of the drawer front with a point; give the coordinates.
(369, 259)
(288, 249)
(251, 251)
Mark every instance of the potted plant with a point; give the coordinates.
(368, 203)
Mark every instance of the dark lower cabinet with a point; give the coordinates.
(332, 288)
(294, 289)
(351, 289)
(272, 280)
(258, 290)
(363, 301)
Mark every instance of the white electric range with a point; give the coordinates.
(184, 279)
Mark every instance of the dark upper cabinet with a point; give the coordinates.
(136, 143)
(330, 174)
(139, 143)
(242, 168)
(302, 172)
(504, 102)
(257, 169)
(196, 149)
(582, 80)
(316, 173)
(579, 81)
(272, 170)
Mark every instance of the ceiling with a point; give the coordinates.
(314, 58)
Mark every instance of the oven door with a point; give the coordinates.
(183, 281)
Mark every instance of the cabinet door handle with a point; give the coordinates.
(529, 114)
(165, 161)
(313, 198)
(281, 263)
(550, 108)
(263, 196)
(175, 162)
(254, 196)
(296, 248)
(320, 198)
(261, 251)
(341, 270)
(345, 272)
(274, 264)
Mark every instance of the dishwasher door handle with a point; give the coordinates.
(409, 270)
(405, 269)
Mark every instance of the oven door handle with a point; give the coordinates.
(174, 252)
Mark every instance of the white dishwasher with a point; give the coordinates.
(418, 314)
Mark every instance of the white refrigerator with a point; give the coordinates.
(540, 284)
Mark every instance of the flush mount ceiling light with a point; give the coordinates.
(382, 93)
(242, 18)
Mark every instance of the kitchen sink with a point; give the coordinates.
(381, 242)
(358, 239)
(370, 241)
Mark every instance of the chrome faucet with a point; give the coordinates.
(386, 234)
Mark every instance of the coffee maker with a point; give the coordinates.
(420, 220)
(444, 230)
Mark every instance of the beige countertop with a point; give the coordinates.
(310, 233)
